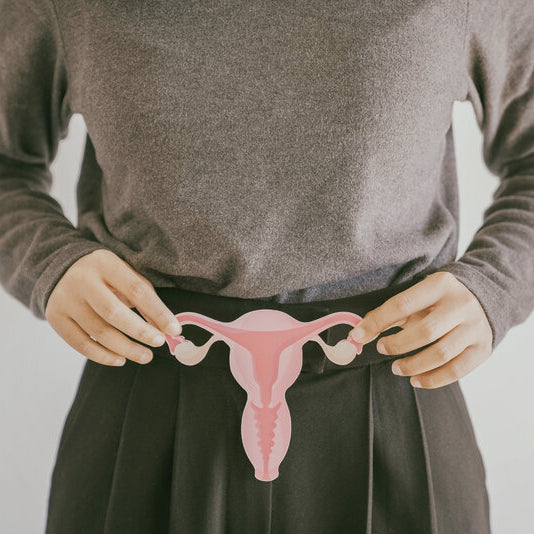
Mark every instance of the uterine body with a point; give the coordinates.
(265, 359)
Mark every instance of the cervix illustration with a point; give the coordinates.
(265, 359)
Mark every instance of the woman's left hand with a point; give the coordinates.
(437, 309)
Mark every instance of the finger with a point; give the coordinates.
(108, 336)
(399, 307)
(414, 316)
(150, 321)
(79, 340)
(453, 370)
(444, 350)
(126, 301)
(106, 304)
(144, 297)
(121, 297)
(419, 332)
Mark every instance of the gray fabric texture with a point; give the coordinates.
(290, 151)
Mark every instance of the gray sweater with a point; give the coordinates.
(290, 151)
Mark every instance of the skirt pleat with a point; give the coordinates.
(400, 497)
(459, 497)
(213, 483)
(139, 496)
(433, 526)
(324, 478)
(370, 455)
(85, 461)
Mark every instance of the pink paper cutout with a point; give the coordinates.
(265, 359)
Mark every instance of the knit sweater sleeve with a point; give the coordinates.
(498, 265)
(37, 242)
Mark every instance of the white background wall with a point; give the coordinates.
(39, 373)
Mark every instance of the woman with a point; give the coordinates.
(295, 156)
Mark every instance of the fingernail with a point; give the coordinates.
(174, 328)
(396, 368)
(159, 339)
(415, 382)
(357, 333)
(381, 348)
(119, 361)
(145, 357)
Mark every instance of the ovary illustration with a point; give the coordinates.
(265, 359)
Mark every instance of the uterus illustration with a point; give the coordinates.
(265, 359)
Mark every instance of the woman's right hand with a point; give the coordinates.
(90, 305)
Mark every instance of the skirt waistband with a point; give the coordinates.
(223, 308)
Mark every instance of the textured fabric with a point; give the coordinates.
(297, 150)
(157, 448)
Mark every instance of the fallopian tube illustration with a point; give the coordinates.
(265, 359)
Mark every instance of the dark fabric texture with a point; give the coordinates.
(252, 148)
(156, 448)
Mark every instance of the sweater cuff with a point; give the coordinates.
(60, 261)
(495, 301)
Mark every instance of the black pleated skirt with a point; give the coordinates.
(157, 448)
